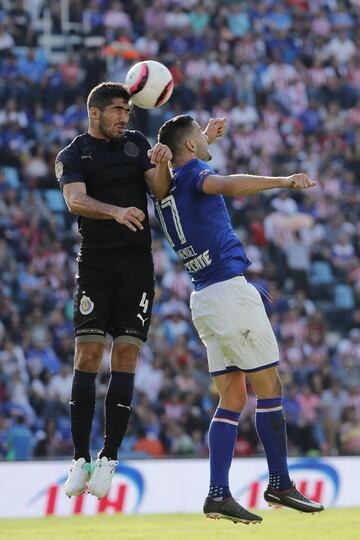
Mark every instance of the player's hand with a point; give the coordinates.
(216, 128)
(130, 217)
(160, 153)
(299, 181)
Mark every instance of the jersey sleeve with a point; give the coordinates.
(68, 166)
(197, 175)
(144, 146)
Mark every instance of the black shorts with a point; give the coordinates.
(114, 293)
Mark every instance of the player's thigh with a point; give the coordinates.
(93, 299)
(266, 383)
(215, 355)
(134, 297)
(234, 312)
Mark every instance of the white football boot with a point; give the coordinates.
(102, 476)
(79, 475)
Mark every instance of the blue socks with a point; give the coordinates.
(222, 438)
(271, 428)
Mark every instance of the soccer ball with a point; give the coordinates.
(150, 84)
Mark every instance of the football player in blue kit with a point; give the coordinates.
(228, 313)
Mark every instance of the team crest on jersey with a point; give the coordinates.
(131, 150)
(59, 169)
(86, 305)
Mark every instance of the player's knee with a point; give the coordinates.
(88, 356)
(124, 357)
(233, 401)
(266, 383)
(269, 389)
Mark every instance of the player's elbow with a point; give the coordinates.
(72, 205)
(160, 194)
(72, 210)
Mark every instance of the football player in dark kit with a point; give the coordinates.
(104, 175)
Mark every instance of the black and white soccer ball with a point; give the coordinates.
(150, 84)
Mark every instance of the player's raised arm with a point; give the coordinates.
(79, 203)
(245, 184)
(215, 129)
(159, 178)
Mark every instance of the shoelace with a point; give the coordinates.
(299, 494)
(76, 472)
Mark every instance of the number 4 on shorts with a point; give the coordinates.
(144, 302)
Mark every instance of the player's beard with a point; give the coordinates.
(106, 132)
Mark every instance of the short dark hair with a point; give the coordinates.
(103, 94)
(173, 132)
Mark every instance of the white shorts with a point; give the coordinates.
(232, 323)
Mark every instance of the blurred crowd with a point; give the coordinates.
(286, 74)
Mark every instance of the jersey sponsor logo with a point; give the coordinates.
(86, 331)
(132, 331)
(87, 157)
(131, 150)
(59, 169)
(199, 263)
(86, 305)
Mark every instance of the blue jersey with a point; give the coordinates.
(198, 227)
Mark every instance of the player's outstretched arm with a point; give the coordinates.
(235, 185)
(79, 203)
(159, 178)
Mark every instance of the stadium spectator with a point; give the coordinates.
(19, 440)
(350, 431)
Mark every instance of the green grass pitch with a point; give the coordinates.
(334, 524)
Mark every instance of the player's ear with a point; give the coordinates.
(94, 113)
(189, 145)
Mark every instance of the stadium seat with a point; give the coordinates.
(320, 273)
(321, 281)
(343, 297)
(54, 200)
(11, 176)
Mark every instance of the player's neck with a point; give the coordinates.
(182, 160)
(96, 134)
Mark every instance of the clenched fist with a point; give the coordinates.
(130, 217)
(299, 181)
